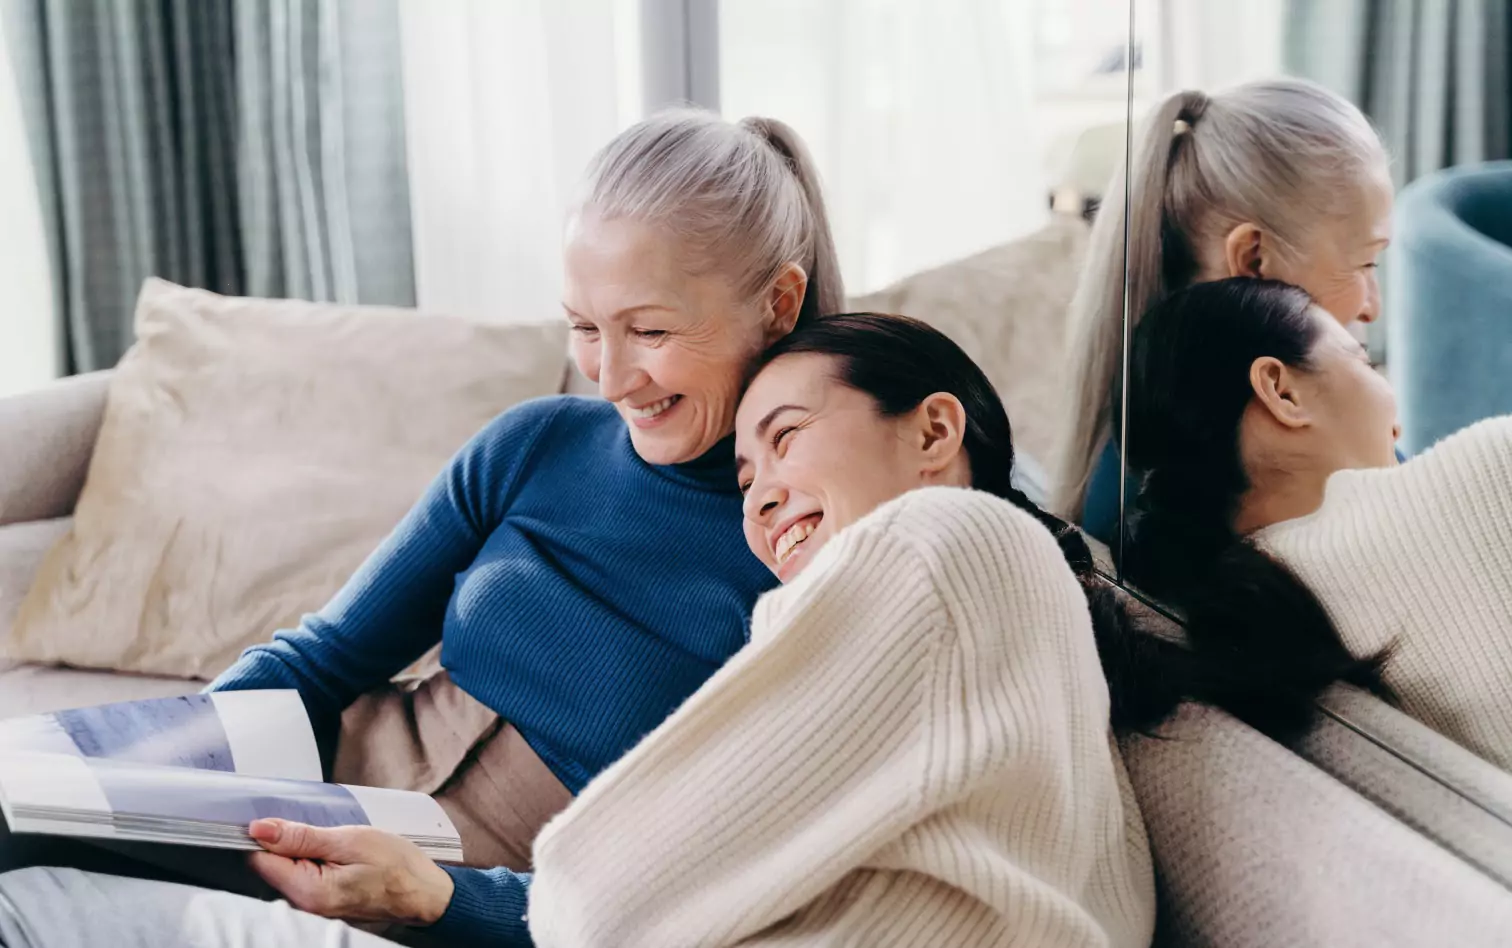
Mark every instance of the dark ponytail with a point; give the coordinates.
(899, 362)
(1263, 646)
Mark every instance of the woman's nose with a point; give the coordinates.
(1371, 311)
(762, 501)
(618, 376)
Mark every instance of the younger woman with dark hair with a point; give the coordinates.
(1273, 513)
(914, 748)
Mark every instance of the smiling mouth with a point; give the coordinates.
(793, 537)
(655, 408)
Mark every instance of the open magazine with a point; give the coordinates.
(192, 771)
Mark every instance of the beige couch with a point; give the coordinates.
(1254, 846)
(48, 436)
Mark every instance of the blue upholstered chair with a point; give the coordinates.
(1449, 301)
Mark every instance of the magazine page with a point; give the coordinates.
(253, 733)
(77, 795)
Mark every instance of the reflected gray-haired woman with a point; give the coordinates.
(1279, 179)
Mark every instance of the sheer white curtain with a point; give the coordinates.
(28, 340)
(1198, 44)
(922, 119)
(505, 102)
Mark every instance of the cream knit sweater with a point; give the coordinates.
(912, 750)
(1420, 555)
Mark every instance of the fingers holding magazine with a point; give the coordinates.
(198, 771)
(355, 873)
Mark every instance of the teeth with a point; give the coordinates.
(793, 536)
(654, 409)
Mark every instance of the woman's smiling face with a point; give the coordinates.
(814, 455)
(668, 348)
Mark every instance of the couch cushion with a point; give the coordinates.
(33, 689)
(1006, 307)
(253, 453)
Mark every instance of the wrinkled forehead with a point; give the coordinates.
(1367, 214)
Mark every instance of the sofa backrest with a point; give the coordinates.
(1425, 780)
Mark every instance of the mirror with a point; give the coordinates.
(1399, 134)
(964, 150)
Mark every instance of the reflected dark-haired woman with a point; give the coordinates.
(1273, 512)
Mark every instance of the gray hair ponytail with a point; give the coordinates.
(743, 197)
(1283, 154)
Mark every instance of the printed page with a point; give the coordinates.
(269, 734)
(257, 733)
(52, 793)
(415, 816)
(76, 795)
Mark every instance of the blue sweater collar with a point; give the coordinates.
(713, 471)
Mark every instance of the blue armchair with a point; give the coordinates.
(1449, 294)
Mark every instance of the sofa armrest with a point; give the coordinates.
(49, 435)
(22, 549)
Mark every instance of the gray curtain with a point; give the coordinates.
(245, 146)
(323, 184)
(1432, 74)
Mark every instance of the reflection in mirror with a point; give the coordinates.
(1431, 784)
(1318, 439)
(963, 154)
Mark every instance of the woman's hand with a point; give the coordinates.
(352, 872)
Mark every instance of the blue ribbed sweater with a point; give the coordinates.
(578, 591)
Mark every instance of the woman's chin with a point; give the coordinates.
(798, 559)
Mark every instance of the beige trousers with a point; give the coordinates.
(428, 735)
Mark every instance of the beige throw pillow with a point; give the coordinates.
(253, 453)
(1007, 307)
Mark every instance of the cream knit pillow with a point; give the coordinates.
(253, 453)
(1006, 306)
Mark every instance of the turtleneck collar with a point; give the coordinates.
(714, 470)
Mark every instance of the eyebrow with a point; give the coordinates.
(763, 425)
(771, 416)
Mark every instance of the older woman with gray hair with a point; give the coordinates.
(579, 561)
(1279, 179)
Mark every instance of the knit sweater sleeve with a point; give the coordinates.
(487, 908)
(880, 687)
(392, 608)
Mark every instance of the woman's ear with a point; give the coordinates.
(939, 433)
(1277, 389)
(1244, 251)
(785, 301)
